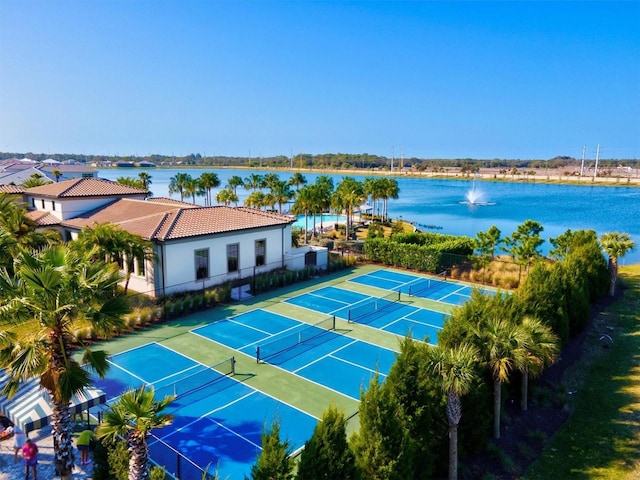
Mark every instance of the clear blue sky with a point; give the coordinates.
(527, 80)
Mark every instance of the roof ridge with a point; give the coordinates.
(172, 223)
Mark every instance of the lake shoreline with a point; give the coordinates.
(541, 176)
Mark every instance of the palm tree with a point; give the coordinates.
(56, 173)
(389, 189)
(234, 182)
(502, 349)
(14, 221)
(456, 368)
(297, 179)
(35, 180)
(303, 205)
(55, 290)
(616, 245)
(349, 193)
(226, 196)
(282, 193)
(253, 182)
(540, 348)
(255, 200)
(130, 182)
(209, 180)
(133, 416)
(177, 184)
(114, 244)
(324, 190)
(145, 179)
(193, 187)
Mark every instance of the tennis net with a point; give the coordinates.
(201, 378)
(425, 284)
(372, 306)
(301, 335)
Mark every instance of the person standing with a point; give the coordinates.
(83, 443)
(18, 442)
(30, 455)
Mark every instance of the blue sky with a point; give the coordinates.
(527, 80)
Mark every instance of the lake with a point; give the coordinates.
(439, 205)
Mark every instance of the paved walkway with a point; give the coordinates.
(11, 470)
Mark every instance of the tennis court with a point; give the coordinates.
(385, 313)
(315, 352)
(432, 288)
(218, 419)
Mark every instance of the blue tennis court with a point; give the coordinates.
(314, 352)
(217, 419)
(385, 313)
(424, 287)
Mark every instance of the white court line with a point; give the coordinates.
(316, 360)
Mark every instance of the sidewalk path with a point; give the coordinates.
(11, 470)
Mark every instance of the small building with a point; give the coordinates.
(193, 247)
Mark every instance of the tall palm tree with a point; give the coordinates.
(324, 190)
(616, 245)
(297, 179)
(234, 182)
(255, 200)
(540, 349)
(502, 349)
(177, 184)
(349, 193)
(133, 416)
(303, 205)
(56, 173)
(456, 369)
(114, 244)
(145, 179)
(226, 196)
(193, 187)
(55, 290)
(209, 180)
(389, 189)
(253, 182)
(282, 193)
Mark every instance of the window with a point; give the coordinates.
(232, 257)
(43, 203)
(261, 252)
(202, 263)
(53, 205)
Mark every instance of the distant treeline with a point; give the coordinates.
(325, 161)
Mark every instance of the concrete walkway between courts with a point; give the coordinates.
(12, 470)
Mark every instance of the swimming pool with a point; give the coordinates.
(328, 219)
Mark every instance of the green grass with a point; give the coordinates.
(601, 440)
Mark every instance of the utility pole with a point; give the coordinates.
(402, 160)
(584, 148)
(595, 170)
(392, 155)
(291, 159)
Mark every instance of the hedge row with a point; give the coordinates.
(408, 250)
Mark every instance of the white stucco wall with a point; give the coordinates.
(179, 257)
(69, 208)
(295, 260)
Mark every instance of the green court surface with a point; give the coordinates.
(315, 392)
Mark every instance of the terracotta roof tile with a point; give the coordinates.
(42, 218)
(171, 201)
(84, 187)
(167, 221)
(11, 189)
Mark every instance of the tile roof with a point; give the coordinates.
(171, 201)
(84, 187)
(42, 218)
(168, 221)
(11, 189)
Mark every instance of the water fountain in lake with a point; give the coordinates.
(475, 196)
